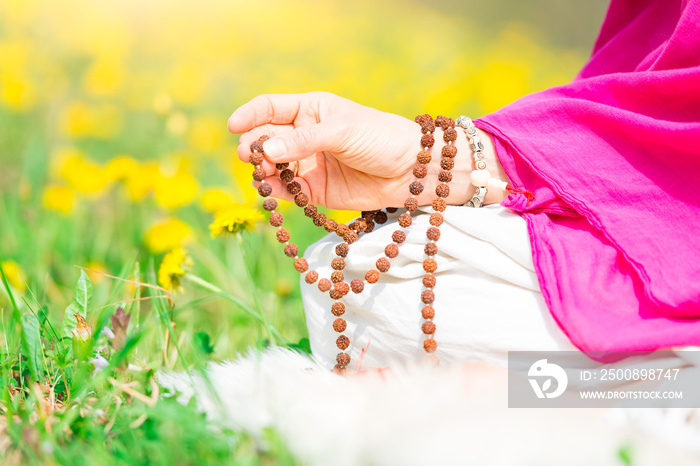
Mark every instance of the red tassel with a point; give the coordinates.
(529, 195)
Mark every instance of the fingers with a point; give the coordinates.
(304, 141)
(273, 108)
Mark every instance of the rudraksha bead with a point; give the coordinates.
(339, 325)
(405, 219)
(444, 176)
(294, 187)
(282, 235)
(281, 166)
(380, 218)
(342, 229)
(368, 214)
(433, 234)
(369, 226)
(331, 225)
(436, 219)
(427, 296)
(430, 345)
(372, 276)
(383, 264)
(442, 190)
(391, 250)
(428, 327)
(411, 204)
(343, 359)
(256, 158)
(338, 263)
(342, 249)
(429, 265)
(415, 188)
(342, 342)
(320, 220)
(427, 140)
(336, 293)
(429, 280)
(276, 219)
(359, 225)
(450, 134)
(440, 121)
(337, 276)
(420, 119)
(259, 174)
(270, 204)
(350, 237)
(431, 249)
(311, 277)
(264, 189)
(324, 284)
(449, 151)
(427, 127)
(339, 370)
(424, 157)
(428, 312)
(392, 210)
(439, 204)
(338, 309)
(287, 175)
(357, 286)
(398, 237)
(343, 287)
(301, 265)
(419, 171)
(301, 199)
(257, 146)
(291, 250)
(447, 164)
(310, 211)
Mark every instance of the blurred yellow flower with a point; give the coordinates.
(96, 272)
(162, 103)
(234, 220)
(14, 275)
(84, 175)
(175, 191)
(103, 77)
(58, 198)
(216, 199)
(175, 265)
(17, 92)
(186, 83)
(167, 234)
(177, 124)
(121, 167)
(141, 181)
(207, 133)
(97, 121)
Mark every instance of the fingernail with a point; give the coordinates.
(274, 147)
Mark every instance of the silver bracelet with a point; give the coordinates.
(480, 176)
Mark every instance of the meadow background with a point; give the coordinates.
(114, 152)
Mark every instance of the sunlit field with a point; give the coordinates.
(115, 161)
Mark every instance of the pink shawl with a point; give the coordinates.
(614, 161)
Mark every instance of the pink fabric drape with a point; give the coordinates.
(614, 161)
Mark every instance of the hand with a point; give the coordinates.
(350, 156)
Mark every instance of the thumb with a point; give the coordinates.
(301, 142)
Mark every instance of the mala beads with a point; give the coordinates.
(336, 285)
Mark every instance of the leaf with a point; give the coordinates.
(31, 345)
(547, 383)
(203, 343)
(82, 298)
(120, 323)
(304, 346)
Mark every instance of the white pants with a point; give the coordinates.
(488, 300)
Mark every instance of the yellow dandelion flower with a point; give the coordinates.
(175, 191)
(13, 273)
(104, 77)
(167, 234)
(206, 133)
(120, 167)
(141, 181)
(58, 198)
(175, 265)
(215, 199)
(234, 220)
